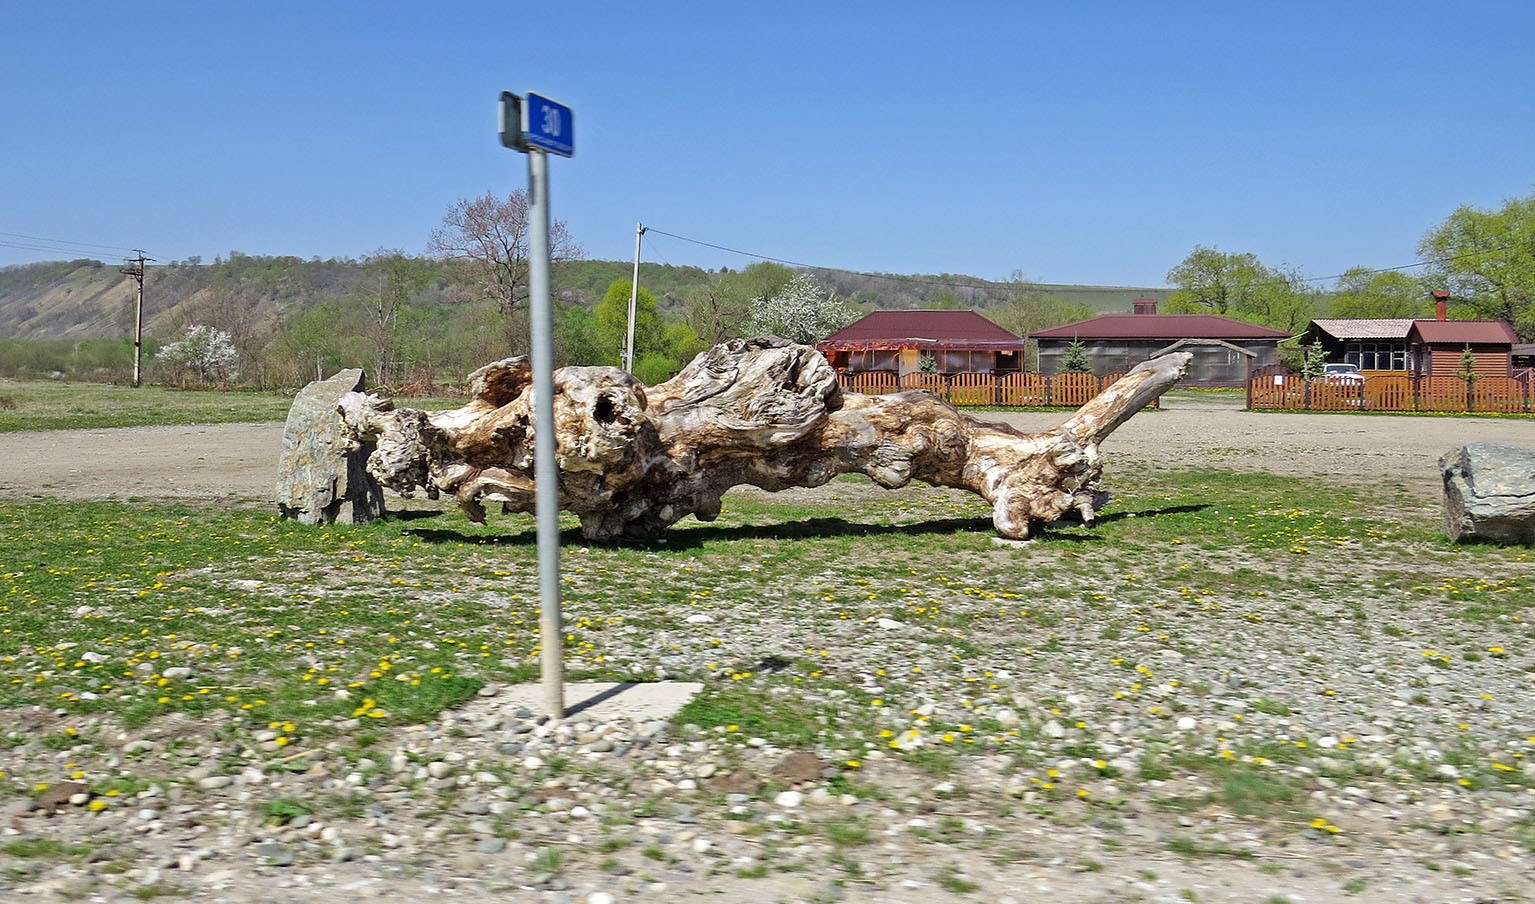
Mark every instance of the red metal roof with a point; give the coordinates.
(1160, 326)
(1463, 332)
(922, 329)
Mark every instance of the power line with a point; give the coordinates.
(975, 282)
(38, 238)
(979, 282)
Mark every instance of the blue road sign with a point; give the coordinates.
(547, 124)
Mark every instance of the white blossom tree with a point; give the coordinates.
(800, 312)
(204, 350)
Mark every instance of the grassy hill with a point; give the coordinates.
(86, 299)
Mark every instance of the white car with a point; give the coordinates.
(1342, 375)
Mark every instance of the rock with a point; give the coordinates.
(469, 863)
(740, 781)
(798, 768)
(789, 799)
(318, 480)
(491, 845)
(56, 796)
(274, 854)
(1489, 493)
(214, 782)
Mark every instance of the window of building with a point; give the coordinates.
(1376, 355)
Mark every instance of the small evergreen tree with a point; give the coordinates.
(1468, 373)
(1076, 361)
(1314, 364)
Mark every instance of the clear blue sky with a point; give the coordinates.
(1083, 143)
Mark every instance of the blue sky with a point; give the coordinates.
(1078, 143)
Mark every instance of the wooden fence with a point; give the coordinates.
(1020, 390)
(1395, 393)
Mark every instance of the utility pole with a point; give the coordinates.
(134, 267)
(634, 294)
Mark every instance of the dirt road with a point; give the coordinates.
(235, 463)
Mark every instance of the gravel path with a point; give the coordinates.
(236, 462)
(490, 802)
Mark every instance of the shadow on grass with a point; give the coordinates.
(693, 537)
(808, 528)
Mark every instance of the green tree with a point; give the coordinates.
(577, 339)
(944, 300)
(612, 316)
(1486, 258)
(1032, 308)
(655, 368)
(319, 341)
(1366, 293)
(1211, 281)
(392, 281)
(722, 309)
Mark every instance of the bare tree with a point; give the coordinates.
(394, 280)
(491, 233)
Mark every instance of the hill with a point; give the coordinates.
(88, 299)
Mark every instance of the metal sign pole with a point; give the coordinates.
(545, 471)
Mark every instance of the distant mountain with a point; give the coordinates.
(85, 299)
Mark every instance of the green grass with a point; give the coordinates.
(299, 630)
(26, 405)
(57, 406)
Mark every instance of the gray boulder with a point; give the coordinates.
(318, 480)
(1489, 493)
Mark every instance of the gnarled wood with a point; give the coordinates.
(763, 412)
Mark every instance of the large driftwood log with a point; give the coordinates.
(763, 412)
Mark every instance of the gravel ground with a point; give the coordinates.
(1379, 738)
(235, 463)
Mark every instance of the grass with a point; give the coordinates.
(303, 633)
(56, 406)
(26, 405)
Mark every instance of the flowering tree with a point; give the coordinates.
(207, 351)
(800, 312)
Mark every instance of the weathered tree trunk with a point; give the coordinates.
(762, 412)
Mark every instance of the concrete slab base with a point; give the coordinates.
(605, 700)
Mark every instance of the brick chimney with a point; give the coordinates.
(1144, 306)
(1441, 304)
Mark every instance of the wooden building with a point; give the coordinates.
(1437, 348)
(1374, 345)
(1225, 351)
(1422, 348)
(896, 341)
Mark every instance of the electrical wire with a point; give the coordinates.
(980, 283)
(38, 238)
(975, 282)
